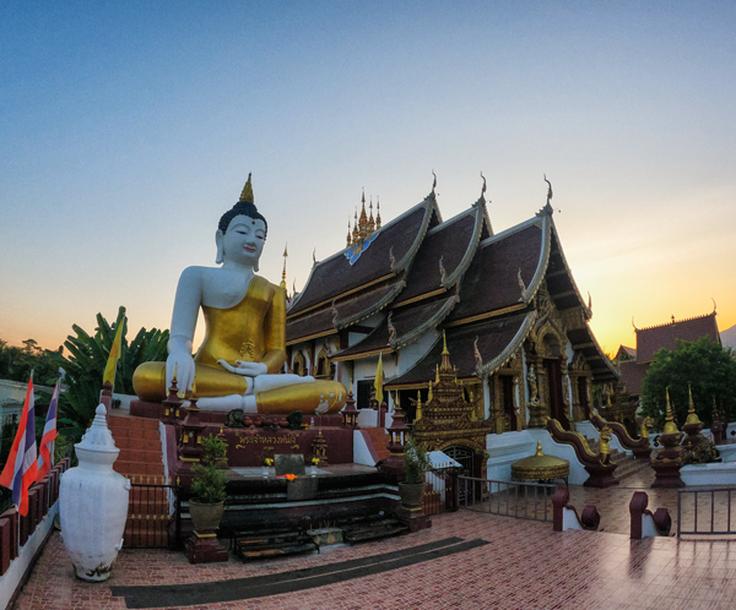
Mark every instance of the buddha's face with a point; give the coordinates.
(242, 242)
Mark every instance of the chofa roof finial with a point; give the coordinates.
(549, 191)
(483, 188)
(246, 195)
(434, 183)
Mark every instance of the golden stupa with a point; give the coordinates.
(540, 467)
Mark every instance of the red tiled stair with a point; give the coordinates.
(141, 461)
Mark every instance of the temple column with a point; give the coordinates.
(520, 416)
(487, 399)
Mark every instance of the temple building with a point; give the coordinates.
(515, 323)
(633, 363)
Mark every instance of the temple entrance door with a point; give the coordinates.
(507, 396)
(470, 464)
(554, 386)
(465, 456)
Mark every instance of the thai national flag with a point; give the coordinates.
(19, 472)
(46, 448)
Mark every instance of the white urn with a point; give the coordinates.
(93, 503)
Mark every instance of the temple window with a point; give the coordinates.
(324, 369)
(298, 365)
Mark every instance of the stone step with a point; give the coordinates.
(151, 455)
(374, 531)
(141, 444)
(127, 467)
(296, 548)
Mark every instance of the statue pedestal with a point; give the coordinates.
(204, 548)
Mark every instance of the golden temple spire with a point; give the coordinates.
(283, 270)
(692, 415)
(539, 452)
(371, 226)
(436, 374)
(350, 238)
(246, 195)
(670, 427)
(418, 414)
(430, 394)
(445, 364)
(378, 213)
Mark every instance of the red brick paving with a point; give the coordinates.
(525, 566)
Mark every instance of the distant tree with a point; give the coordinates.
(84, 362)
(708, 367)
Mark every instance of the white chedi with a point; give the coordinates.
(93, 503)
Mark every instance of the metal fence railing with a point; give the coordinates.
(706, 512)
(506, 498)
(154, 516)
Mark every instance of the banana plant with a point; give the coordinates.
(84, 360)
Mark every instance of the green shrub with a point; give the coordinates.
(415, 462)
(209, 481)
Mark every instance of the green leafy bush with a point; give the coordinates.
(415, 462)
(209, 482)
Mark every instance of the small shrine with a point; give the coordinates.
(450, 423)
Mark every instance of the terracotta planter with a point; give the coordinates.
(206, 516)
(412, 494)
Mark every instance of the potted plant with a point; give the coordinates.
(207, 501)
(411, 489)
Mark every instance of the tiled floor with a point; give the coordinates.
(525, 565)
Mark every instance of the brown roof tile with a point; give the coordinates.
(449, 241)
(650, 340)
(409, 322)
(336, 275)
(491, 281)
(493, 338)
(346, 311)
(632, 375)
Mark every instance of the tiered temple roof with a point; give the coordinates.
(429, 275)
(663, 336)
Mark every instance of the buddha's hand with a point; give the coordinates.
(180, 364)
(246, 369)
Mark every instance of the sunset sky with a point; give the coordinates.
(127, 129)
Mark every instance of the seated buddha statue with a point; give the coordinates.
(239, 364)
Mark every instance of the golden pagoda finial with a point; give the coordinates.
(445, 364)
(378, 213)
(436, 373)
(371, 226)
(430, 394)
(246, 195)
(539, 452)
(349, 238)
(418, 414)
(692, 415)
(356, 232)
(283, 270)
(670, 427)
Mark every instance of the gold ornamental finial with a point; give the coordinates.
(436, 374)
(378, 213)
(349, 240)
(445, 352)
(246, 195)
(430, 394)
(283, 270)
(418, 414)
(539, 452)
(670, 427)
(692, 415)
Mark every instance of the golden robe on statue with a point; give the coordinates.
(253, 330)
